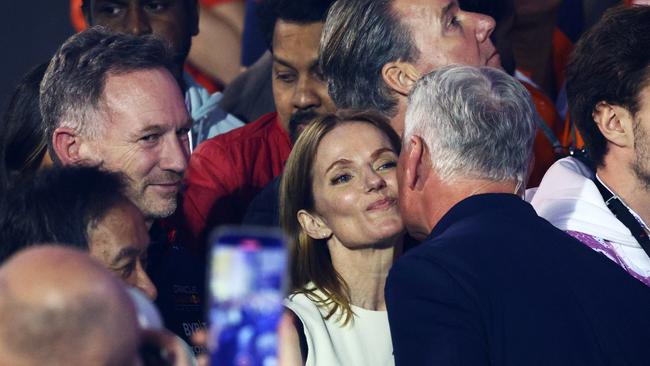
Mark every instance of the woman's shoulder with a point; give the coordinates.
(303, 305)
(314, 328)
(365, 340)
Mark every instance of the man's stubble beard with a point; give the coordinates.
(152, 205)
(641, 164)
(299, 120)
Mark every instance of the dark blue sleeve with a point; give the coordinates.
(433, 321)
(264, 209)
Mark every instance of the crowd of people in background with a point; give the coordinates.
(461, 182)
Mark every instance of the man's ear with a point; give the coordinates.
(415, 169)
(66, 144)
(615, 123)
(400, 76)
(313, 225)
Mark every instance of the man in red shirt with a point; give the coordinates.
(226, 172)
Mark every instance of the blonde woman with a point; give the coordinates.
(339, 207)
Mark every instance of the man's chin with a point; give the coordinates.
(160, 213)
(158, 208)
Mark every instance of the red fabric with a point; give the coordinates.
(203, 79)
(77, 16)
(215, 2)
(227, 171)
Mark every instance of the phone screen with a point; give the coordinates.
(247, 286)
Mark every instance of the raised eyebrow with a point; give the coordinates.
(380, 151)
(336, 163)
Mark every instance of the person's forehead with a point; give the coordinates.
(343, 142)
(295, 43)
(140, 81)
(420, 9)
(149, 94)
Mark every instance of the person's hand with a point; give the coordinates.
(161, 347)
(200, 338)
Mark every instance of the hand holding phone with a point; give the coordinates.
(246, 286)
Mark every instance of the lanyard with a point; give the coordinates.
(623, 214)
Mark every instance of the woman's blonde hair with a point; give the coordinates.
(309, 258)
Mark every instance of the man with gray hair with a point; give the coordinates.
(493, 283)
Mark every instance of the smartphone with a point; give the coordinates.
(247, 283)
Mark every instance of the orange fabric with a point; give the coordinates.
(77, 16)
(567, 135)
(543, 150)
(562, 48)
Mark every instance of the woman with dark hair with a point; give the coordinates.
(23, 143)
(339, 208)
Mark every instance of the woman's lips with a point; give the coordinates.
(382, 204)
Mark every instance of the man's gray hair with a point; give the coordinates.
(478, 123)
(360, 37)
(72, 88)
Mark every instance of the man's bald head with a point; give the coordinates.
(59, 307)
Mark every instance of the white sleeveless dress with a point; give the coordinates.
(365, 340)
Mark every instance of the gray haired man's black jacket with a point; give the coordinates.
(494, 284)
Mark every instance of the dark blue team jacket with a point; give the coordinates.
(494, 284)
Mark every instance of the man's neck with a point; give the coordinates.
(450, 194)
(622, 181)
